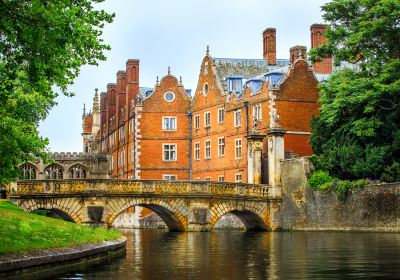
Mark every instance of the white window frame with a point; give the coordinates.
(238, 148)
(208, 178)
(207, 156)
(237, 114)
(207, 119)
(221, 115)
(221, 146)
(176, 152)
(257, 112)
(197, 150)
(238, 177)
(221, 178)
(169, 118)
(196, 121)
(170, 177)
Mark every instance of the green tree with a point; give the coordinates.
(43, 43)
(357, 134)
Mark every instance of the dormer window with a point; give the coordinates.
(255, 85)
(234, 83)
(273, 78)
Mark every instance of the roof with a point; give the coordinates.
(248, 69)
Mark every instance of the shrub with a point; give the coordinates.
(320, 180)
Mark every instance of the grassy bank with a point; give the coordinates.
(22, 231)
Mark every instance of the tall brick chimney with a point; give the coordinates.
(297, 52)
(318, 39)
(269, 40)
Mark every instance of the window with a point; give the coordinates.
(207, 178)
(121, 132)
(197, 150)
(169, 96)
(238, 148)
(221, 146)
(122, 157)
(54, 171)
(169, 177)
(197, 179)
(205, 68)
(112, 162)
(196, 121)
(169, 123)
(221, 178)
(77, 172)
(257, 112)
(238, 177)
(208, 149)
(27, 171)
(169, 151)
(234, 84)
(238, 117)
(221, 115)
(205, 89)
(207, 119)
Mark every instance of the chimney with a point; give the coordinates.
(269, 40)
(297, 52)
(317, 39)
(132, 88)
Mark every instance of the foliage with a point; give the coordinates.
(357, 134)
(21, 231)
(42, 46)
(320, 178)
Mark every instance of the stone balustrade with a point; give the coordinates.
(112, 186)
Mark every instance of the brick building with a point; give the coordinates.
(164, 133)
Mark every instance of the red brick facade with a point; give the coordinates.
(163, 133)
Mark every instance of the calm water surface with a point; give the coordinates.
(249, 255)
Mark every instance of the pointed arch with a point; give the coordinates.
(28, 171)
(54, 171)
(77, 171)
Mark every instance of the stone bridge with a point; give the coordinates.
(184, 206)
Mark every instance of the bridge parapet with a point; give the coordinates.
(112, 186)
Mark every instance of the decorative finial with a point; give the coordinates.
(96, 91)
(84, 111)
(169, 70)
(180, 80)
(157, 81)
(208, 49)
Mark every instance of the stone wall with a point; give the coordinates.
(374, 208)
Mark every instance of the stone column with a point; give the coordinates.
(276, 153)
(254, 151)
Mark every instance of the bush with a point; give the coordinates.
(320, 180)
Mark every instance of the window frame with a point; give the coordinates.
(196, 150)
(257, 109)
(221, 177)
(238, 147)
(221, 146)
(236, 113)
(236, 177)
(207, 147)
(221, 119)
(169, 118)
(164, 150)
(207, 119)
(196, 121)
(165, 176)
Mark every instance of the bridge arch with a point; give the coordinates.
(70, 208)
(254, 215)
(171, 212)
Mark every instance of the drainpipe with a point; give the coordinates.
(246, 106)
(190, 144)
(134, 144)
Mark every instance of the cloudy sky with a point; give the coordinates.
(175, 33)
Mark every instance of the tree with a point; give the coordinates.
(43, 43)
(357, 134)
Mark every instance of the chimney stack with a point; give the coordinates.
(269, 40)
(317, 39)
(297, 52)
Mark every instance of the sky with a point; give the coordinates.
(175, 33)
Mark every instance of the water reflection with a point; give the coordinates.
(250, 255)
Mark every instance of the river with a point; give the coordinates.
(248, 255)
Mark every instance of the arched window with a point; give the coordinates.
(77, 172)
(28, 171)
(54, 171)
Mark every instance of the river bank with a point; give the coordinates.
(28, 239)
